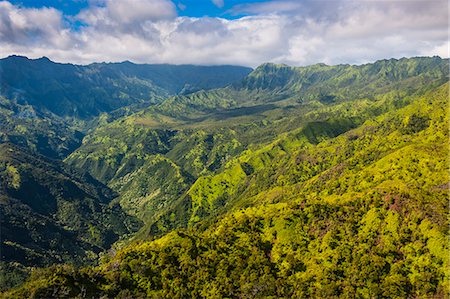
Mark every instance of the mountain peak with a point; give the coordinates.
(44, 58)
(272, 66)
(16, 57)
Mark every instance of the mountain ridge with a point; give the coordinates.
(127, 83)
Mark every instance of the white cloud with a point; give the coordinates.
(266, 7)
(442, 50)
(24, 27)
(292, 32)
(218, 3)
(126, 13)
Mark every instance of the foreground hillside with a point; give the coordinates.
(350, 204)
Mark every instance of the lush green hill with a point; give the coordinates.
(86, 91)
(330, 83)
(49, 214)
(362, 213)
(282, 88)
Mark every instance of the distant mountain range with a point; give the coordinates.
(84, 92)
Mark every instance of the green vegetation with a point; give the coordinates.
(209, 133)
(371, 222)
(320, 181)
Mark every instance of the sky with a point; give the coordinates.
(212, 32)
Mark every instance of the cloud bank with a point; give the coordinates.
(284, 31)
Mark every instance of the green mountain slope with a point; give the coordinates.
(360, 214)
(344, 80)
(320, 181)
(274, 90)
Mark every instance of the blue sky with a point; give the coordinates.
(201, 8)
(211, 32)
(68, 7)
(190, 8)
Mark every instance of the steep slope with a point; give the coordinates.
(53, 214)
(150, 168)
(362, 214)
(86, 91)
